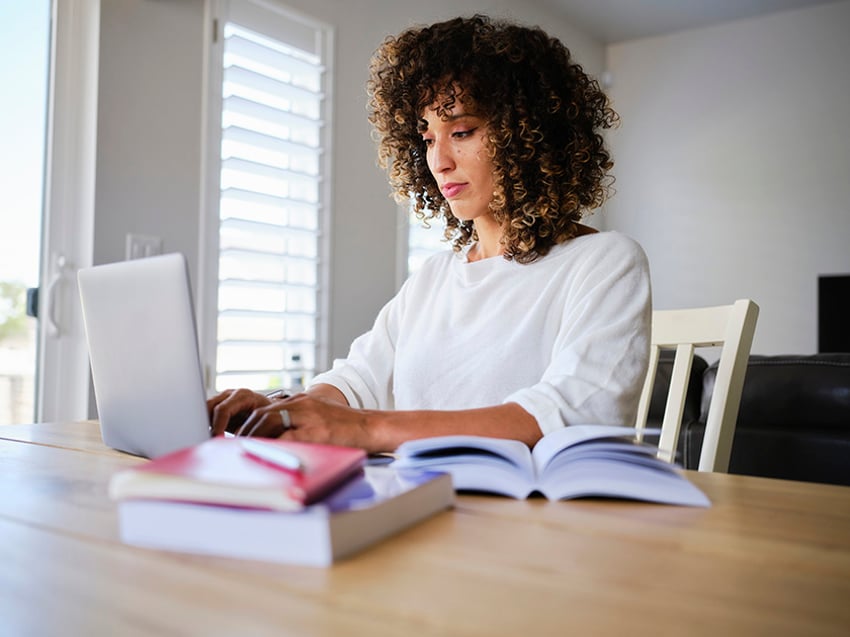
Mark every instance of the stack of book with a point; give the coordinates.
(272, 500)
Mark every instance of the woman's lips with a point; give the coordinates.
(452, 190)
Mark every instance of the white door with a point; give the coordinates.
(63, 385)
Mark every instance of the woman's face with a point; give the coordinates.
(457, 158)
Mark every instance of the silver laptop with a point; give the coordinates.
(143, 348)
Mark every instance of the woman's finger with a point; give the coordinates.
(267, 422)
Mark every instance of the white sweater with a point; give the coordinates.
(565, 337)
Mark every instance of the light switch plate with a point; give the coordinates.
(139, 246)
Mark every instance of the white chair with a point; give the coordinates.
(730, 327)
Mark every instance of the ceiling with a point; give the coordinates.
(618, 20)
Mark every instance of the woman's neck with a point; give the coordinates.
(489, 242)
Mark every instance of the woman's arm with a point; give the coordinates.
(316, 416)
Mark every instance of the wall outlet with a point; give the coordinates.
(139, 246)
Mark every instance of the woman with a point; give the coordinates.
(533, 321)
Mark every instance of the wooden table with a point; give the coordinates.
(771, 557)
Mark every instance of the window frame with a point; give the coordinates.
(263, 16)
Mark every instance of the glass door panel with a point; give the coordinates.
(24, 49)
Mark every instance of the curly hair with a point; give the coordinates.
(543, 113)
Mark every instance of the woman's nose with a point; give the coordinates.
(440, 157)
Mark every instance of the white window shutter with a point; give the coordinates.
(271, 210)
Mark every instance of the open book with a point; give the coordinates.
(574, 462)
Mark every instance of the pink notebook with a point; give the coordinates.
(221, 471)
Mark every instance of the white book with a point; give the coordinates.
(373, 506)
(573, 462)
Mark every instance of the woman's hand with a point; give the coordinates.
(228, 410)
(309, 418)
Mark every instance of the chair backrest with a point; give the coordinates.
(730, 327)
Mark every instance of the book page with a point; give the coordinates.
(601, 477)
(552, 443)
(466, 449)
(476, 463)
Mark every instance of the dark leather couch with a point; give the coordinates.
(793, 423)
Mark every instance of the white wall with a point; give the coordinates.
(148, 174)
(149, 133)
(733, 164)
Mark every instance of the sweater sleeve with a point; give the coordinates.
(600, 358)
(365, 376)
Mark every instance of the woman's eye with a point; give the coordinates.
(427, 141)
(462, 134)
